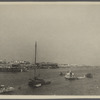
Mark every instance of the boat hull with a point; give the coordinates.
(38, 82)
(74, 78)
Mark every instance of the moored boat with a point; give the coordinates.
(70, 76)
(5, 89)
(37, 82)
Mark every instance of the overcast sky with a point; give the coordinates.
(65, 33)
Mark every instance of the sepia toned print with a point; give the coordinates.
(49, 48)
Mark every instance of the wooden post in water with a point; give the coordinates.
(35, 59)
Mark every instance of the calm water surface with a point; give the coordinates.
(58, 86)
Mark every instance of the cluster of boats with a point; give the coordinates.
(36, 82)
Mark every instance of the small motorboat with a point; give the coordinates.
(70, 76)
(5, 89)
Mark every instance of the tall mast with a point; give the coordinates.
(35, 59)
(35, 52)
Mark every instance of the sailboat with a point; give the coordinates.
(37, 82)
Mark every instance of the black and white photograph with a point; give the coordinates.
(50, 48)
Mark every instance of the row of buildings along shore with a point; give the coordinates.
(14, 66)
(22, 66)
